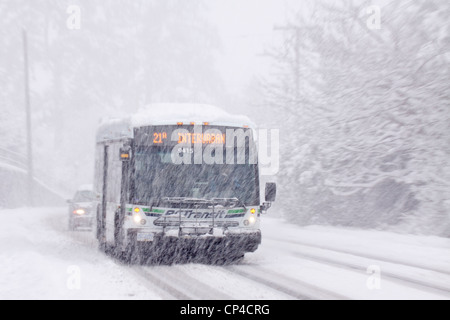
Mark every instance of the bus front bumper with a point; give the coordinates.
(231, 244)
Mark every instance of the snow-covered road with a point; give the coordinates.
(40, 259)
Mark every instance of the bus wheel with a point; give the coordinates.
(102, 246)
(132, 255)
(99, 225)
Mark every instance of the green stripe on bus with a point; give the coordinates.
(158, 211)
(236, 211)
(146, 210)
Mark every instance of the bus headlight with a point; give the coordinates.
(250, 221)
(139, 220)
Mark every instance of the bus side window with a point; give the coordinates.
(114, 175)
(98, 186)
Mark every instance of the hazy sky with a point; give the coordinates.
(246, 27)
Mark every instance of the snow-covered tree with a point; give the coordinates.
(367, 136)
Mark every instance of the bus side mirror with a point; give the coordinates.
(271, 192)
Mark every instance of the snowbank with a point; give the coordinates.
(13, 186)
(39, 260)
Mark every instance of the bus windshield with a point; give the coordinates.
(154, 177)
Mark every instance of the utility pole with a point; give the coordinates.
(30, 180)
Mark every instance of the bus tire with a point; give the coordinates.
(98, 232)
(102, 245)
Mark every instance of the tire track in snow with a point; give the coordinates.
(348, 263)
(295, 288)
(363, 255)
(152, 282)
(178, 284)
(409, 281)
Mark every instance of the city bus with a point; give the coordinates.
(179, 183)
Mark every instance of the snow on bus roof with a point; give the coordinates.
(169, 113)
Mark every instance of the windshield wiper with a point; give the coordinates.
(234, 200)
(226, 202)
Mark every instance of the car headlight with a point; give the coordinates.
(79, 212)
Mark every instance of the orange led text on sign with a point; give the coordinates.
(201, 138)
(159, 137)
